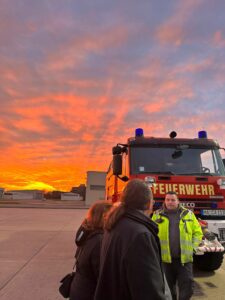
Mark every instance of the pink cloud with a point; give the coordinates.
(219, 39)
(75, 50)
(173, 30)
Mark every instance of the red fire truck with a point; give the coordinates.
(193, 168)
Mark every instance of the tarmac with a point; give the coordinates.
(37, 249)
(43, 203)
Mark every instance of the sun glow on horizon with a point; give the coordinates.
(30, 186)
(37, 185)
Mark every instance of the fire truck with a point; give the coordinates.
(191, 167)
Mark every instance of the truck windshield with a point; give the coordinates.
(164, 160)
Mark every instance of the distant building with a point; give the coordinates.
(71, 196)
(24, 195)
(95, 187)
(53, 195)
(81, 190)
(7, 196)
(1, 193)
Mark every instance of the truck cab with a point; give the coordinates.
(193, 168)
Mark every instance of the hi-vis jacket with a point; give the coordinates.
(190, 234)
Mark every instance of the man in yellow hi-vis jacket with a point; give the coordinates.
(179, 234)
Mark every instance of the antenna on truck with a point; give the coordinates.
(173, 134)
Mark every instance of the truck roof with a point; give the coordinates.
(199, 142)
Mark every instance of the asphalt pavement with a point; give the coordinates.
(43, 203)
(37, 249)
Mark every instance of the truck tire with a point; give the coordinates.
(209, 261)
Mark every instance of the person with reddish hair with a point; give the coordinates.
(88, 240)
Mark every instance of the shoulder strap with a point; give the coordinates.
(77, 255)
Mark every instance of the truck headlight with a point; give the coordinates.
(221, 183)
(149, 180)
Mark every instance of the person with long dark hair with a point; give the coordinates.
(88, 241)
(130, 261)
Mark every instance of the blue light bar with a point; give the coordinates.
(139, 132)
(202, 134)
(213, 205)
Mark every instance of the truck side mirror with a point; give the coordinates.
(224, 162)
(116, 150)
(117, 164)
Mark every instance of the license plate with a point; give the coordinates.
(210, 212)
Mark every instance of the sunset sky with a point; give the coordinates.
(77, 77)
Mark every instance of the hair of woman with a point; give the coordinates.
(96, 215)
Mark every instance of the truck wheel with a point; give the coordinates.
(209, 261)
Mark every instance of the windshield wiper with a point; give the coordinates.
(197, 174)
(157, 172)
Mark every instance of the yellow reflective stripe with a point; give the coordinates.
(164, 242)
(186, 243)
(164, 252)
(195, 239)
(187, 251)
(185, 240)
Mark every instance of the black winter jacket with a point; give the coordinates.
(87, 266)
(130, 264)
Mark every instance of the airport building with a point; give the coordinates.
(24, 195)
(71, 196)
(95, 187)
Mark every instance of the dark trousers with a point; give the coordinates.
(180, 275)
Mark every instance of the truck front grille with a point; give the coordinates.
(198, 204)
